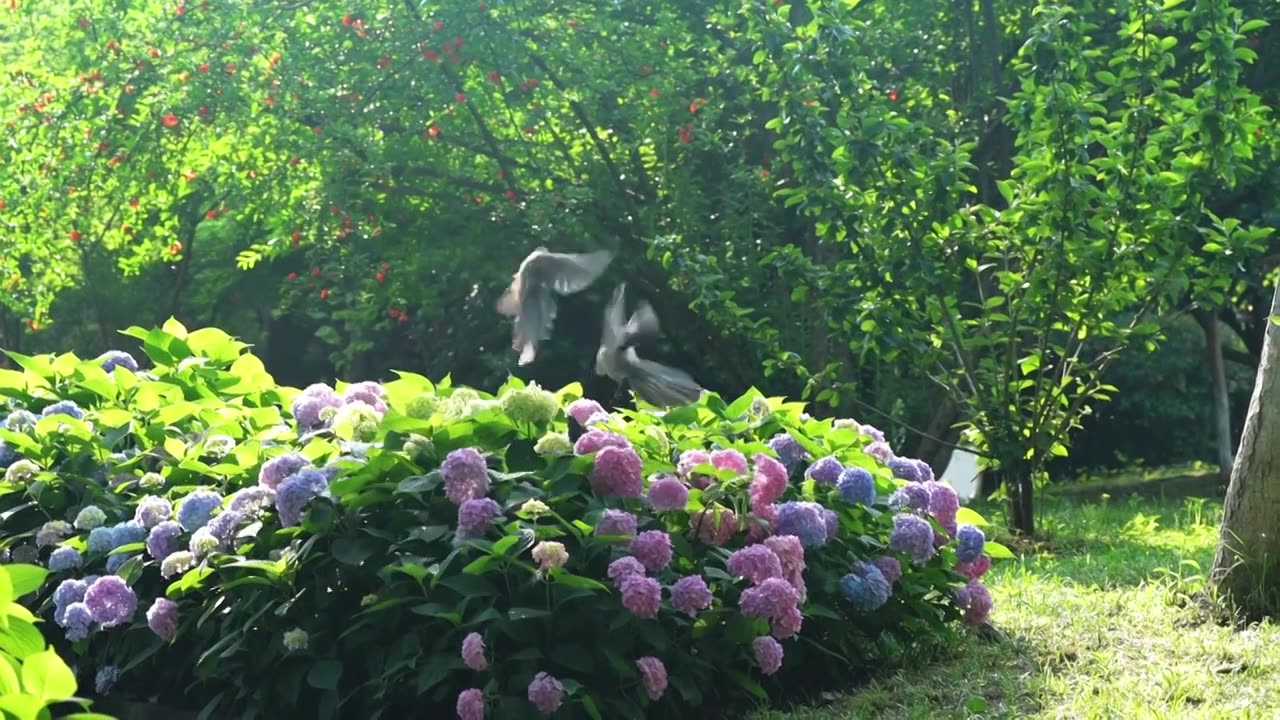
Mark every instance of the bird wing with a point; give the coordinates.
(568, 273)
(614, 325)
(659, 384)
(533, 323)
(509, 303)
(642, 325)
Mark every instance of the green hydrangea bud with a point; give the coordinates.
(296, 639)
(415, 445)
(422, 407)
(151, 480)
(553, 444)
(21, 471)
(530, 404)
(90, 517)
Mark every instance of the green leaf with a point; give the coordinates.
(46, 676)
(577, 581)
(968, 515)
(22, 706)
(1251, 25)
(22, 639)
(524, 613)
(998, 551)
(9, 683)
(324, 675)
(353, 551)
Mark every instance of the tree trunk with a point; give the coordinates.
(1248, 559)
(938, 454)
(1020, 489)
(1221, 403)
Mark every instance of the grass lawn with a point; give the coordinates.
(1101, 622)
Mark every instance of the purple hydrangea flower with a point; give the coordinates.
(63, 407)
(470, 705)
(65, 558)
(110, 601)
(976, 601)
(617, 523)
(475, 516)
(623, 567)
(832, 522)
(857, 486)
(251, 501)
(113, 359)
(582, 409)
(787, 624)
(926, 472)
(790, 452)
(890, 568)
(975, 569)
(546, 693)
(368, 392)
(756, 563)
(805, 520)
(311, 402)
(911, 495)
(8, 456)
(768, 653)
(905, 468)
(715, 526)
(163, 539)
(196, 509)
(105, 679)
(224, 525)
(67, 592)
(875, 433)
(162, 618)
(473, 652)
(770, 599)
(825, 470)
(152, 510)
(865, 587)
(617, 472)
(668, 493)
(653, 549)
(466, 475)
(943, 504)
(691, 594)
(274, 471)
(729, 459)
(913, 536)
(641, 595)
(296, 491)
(690, 459)
(970, 542)
(653, 676)
(52, 532)
(78, 621)
(595, 440)
(879, 450)
(769, 482)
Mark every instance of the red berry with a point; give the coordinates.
(764, 173)
(533, 82)
(383, 62)
(75, 236)
(380, 277)
(324, 293)
(169, 119)
(317, 130)
(393, 313)
(211, 214)
(457, 42)
(295, 237)
(293, 276)
(315, 272)
(431, 55)
(347, 20)
(385, 266)
(175, 247)
(511, 194)
(439, 25)
(133, 202)
(460, 97)
(483, 7)
(180, 10)
(204, 67)
(433, 131)
(655, 92)
(1, 203)
(893, 94)
(231, 68)
(404, 318)
(153, 52)
(493, 76)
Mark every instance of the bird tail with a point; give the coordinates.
(659, 384)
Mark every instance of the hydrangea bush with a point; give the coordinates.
(215, 542)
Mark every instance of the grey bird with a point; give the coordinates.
(531, 297)
(656, 383)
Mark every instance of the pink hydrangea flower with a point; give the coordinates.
(546, 693)
(689, 459)
(582, 409)
(473, 652)
(790, 552)
(653, 675)
(768, 654)
(729, 459)
(769, 482)
(617, 472)
(691, 594)
(641, 595)
(976, 569)
(550, 554)
(624, 567)
(470, 705)
(770, 599)
(595, 440)
(667, 493)
(466, 475)
(787, 624)
(760, 522)
(714, 527)
(616, 522)
(890, 567)
(653, 549)
(943, 504)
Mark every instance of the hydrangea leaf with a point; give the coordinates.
(47, 677)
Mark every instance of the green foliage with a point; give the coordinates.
(354, 599)
(33, 677)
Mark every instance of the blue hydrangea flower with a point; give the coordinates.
(115, 561)
(926, 472)
(102, 540)
(162, 541)
(63, 407)
(911, 495)
(865, 587)
(224, 525)
(805, 520)
(197, 508)
(78, 621)
(905, 468)
(825, 470)
(152, 510)
(129, 531)
(113, 359)
(8, 455)
(970, 542)
(106, 679)
(65, 558)
(857, 486)
(274, 471)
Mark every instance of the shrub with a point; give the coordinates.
(412, 547)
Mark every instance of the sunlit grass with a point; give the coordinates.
(1103, 618)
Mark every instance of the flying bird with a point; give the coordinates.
(656, 383)
(531, 297)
